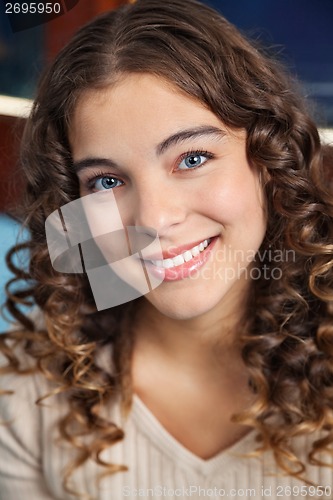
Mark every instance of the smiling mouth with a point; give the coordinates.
(183, 257)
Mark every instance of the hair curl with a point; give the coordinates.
(287, 345)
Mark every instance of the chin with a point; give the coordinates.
(180, 313)
(185, 303)
(182, 308)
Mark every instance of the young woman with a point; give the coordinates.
(218, 381)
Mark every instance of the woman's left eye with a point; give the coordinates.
(194, 160)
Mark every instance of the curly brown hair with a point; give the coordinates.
(287, 340)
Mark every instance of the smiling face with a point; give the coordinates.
(173, 166)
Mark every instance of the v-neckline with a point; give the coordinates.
(152, 427)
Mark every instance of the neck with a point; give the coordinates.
(206, 343)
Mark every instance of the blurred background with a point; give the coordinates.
(299, 32)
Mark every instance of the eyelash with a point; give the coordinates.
(91, 181)
(207, 154)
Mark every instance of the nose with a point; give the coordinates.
(158, 205)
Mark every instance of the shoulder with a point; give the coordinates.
(22, 384)
(30, 389)
(20, 389)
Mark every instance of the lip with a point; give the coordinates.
(173, 251)
(184, 270)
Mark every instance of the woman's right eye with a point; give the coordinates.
(104, 183)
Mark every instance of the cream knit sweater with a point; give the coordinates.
(31, 461)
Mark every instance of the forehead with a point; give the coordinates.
(135, 89)
(140, 106)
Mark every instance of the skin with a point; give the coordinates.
(186, 333)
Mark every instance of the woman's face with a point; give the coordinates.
(173, 166)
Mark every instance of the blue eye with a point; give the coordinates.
(106, 182)
(194, 160)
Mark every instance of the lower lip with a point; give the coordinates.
(184, 270)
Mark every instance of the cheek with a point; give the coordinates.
(237, 204)
(235, 199)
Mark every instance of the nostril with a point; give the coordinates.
(140, 237)
(145, 230)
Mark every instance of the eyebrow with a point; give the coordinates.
(175, 139)
(185, 135)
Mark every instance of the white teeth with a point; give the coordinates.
(195, 251)
(187, 256)
(183, 257)
(178, 260)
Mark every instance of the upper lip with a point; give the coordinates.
(173, 250)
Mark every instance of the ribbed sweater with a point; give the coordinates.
(159, 467)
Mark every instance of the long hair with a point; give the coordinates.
(287, 341)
